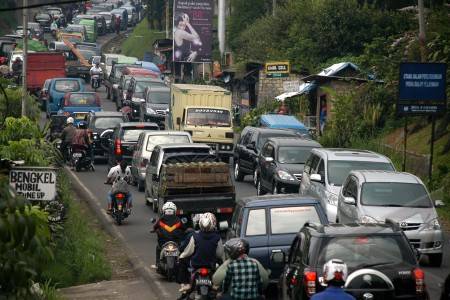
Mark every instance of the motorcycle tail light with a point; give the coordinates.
(118, 147)
(120, 196)
(419, 276)
(203, 272)
(310, 282)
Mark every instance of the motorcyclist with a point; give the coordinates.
(242, 277)
(82, 139)
(116, 176)
(95, 70)
(17, 67)
(168, 228)
(205, 246)
(67, 137)
(334, 274)
(54, 27)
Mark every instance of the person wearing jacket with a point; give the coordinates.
(334, 274)
(66, 137)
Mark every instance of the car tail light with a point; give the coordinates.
(118, 147)
(419, 277)
(293, 281)
(225, 210)
(310, 282)
(180, 212)
(203, 272)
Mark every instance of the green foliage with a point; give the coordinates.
(13, 106)
(251, 118)
(16, 129)
(141, 40)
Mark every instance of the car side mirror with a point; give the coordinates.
(178, 121)
(349, 200)
(439, 203)
(278, 257)
(316, 178)
(251, 146)
(268, 159)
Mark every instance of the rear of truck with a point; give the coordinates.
(42, 66)
(198, 187)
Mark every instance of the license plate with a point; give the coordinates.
(203, 282)
(77, 155)
(172, 253)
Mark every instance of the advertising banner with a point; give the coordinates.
(192, 30)
(422, 88)
(34, 183)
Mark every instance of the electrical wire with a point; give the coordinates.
(40, 5)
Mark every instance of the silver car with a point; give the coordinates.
(374, 196)
(146, 142)
(326, 170)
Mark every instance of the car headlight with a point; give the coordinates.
(368, 219)
(432, 225)
(332, 198)
(151, 111)
(285, 175)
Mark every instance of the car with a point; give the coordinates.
(381, 262)
(57, 14)
(43, 94)
(269, 224)
(326, 169)
(156, 105)
(109, 19)
(120, 90)
(101, 21)
(107, 60)
(132, 15)
(58, 88)
(146, 142)
(136, 91)
(113, 79)
(188, 152)
(98, 122)
(89, 46)
(36, 29)
(123, 15)
(74, 28)
(121, 141)
(44, 19)
(248, 147)
(78, 105)
(280, 164)
(373, 196)
(91, 26)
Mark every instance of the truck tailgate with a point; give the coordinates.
(42, 66)
(217, 203)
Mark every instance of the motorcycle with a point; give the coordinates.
(80, 159)
(96, 81)
(119, 207)
(127, 110)
(168, 260)
(202, 284)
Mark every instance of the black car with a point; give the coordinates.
(136, 92)
(44, 19)
(249, 146)
(381, 262)
(123, 139)
(280, 164)
(113, 79)
(101, 121)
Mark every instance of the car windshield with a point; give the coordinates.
(64, 86)
(159, 97)
(132, 134)
(107, 122)
(263, 138)
(126, 84)
(82, 100)
(208, 117)
(291, 219)
(395, 194)
(359, 251)
(42, 17)
(339, 169)
(293, 155)
(140, 87)
(154, 140)
(54, 11)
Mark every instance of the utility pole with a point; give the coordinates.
(167, 18)
(221, 27)
(25, 58)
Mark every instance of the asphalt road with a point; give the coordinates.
(136, 228)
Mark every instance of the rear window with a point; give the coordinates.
(107, 122)
(159, 97)
(82, 100)
(256, 223)
(154, 140)
(263, 137)
(131, 134)
(64, 86)
(338, 169)
(293, 155)
(395, 194)
(291, 219)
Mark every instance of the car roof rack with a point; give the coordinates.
(316, 226)
(393, 224)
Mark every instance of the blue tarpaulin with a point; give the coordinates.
(282, 122)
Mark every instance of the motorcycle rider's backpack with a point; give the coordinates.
(120, 185)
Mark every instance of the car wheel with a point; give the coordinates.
(255, 177)
(435, 260)
(259, 189)
(140, 184)
(275, 189)
(108, 94)
(238, 176)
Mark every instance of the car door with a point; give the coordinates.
(310, 187)
(265, 165)
(318, 188)
(150, 173)
(243, 152)
(136, 154)
(349, 212)
(254, 230)
(292, 267)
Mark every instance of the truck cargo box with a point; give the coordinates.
(42, 66)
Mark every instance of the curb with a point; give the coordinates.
(138, 265)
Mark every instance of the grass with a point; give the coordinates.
(141, 40)
(80, 254)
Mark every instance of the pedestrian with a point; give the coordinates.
(334, 274)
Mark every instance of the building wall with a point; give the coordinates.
(269, 88)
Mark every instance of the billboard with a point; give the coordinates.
(277, 69)
(192, 30)
(34, 183)
(422, 89)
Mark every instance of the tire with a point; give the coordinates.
(155, 206)
(108, 94)
(275, 189)
(238, 176)
(259, 189)
(140, 185)
(255, 177)
(435, 260)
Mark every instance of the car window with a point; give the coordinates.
(256, 223)
(246, 138)
(154, 158)
(154, 140)
(64, 86)
(107, 122)
(395, 194)
(307, 168)
(268, 150)
(291, 219)
(338, 170)
(314, 163)
(132, 134)
(82, 100)
(159, 97)
(293, 154)
(264, 136)
(321, 169)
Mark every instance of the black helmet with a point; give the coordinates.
(236, 247)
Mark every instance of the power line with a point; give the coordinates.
(39, 5)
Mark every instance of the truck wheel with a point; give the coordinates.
(238, 176)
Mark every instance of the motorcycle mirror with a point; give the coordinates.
(184, 220)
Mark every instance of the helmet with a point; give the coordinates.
(82, 125)
(335, 269)
(207, 222)
(69, 120)
(236, 247)
(169, 208)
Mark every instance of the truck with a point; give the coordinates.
(191, 177)
(205, 112)
(42, 66)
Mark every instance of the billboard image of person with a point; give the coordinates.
(192, 30)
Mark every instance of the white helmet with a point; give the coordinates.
(335, 269)
(169, 208)
(70, 120)
(207, 222)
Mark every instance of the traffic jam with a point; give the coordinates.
(336, 222)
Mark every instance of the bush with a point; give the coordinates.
(13, 106)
